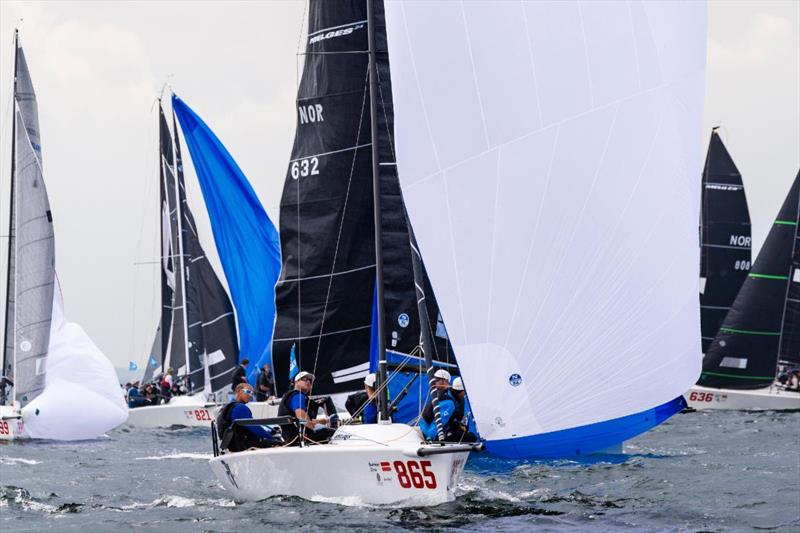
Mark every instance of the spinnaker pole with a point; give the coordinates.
(383, 390)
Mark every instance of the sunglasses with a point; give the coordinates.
(248, 391)
(310, 380)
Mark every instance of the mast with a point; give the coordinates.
(383, 394)
(11, 240)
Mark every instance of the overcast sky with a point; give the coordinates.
(98, 66)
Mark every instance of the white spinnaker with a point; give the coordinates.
(82, 398)
(548, 154)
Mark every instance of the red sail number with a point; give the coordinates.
(202, 414)
(412, 473)
(4, 430)
(701, 397)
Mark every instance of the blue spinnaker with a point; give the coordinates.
(246, 239)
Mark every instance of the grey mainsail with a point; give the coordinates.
(31, 265)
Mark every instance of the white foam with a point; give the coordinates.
(18, 460)
(205, 456)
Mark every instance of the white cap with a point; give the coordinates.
(369, 381)
(457, 384)
(442, 374)
(303, 374)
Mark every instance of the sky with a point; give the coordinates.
(98, 68)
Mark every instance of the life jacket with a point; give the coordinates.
(427, 413)
(233, 438)
(355, 401)
(289, 430)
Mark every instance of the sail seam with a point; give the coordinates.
(761, 378)
(768, 276)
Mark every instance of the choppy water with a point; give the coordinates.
(714, 471)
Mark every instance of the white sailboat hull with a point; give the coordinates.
(12, 427)
(183, 411)
(364, 465)
(770, 398)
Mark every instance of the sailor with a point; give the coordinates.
(238, 438)
(461, 426)
(5, 385)
(296, 403)
(264, 384)
(166, 384)
(447, 406)
(370, 413)
(134, 398)
(240, 374)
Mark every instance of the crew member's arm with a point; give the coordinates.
(241, 411)
(297, 405)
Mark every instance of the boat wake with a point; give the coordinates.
(18, 461)
(199, 456)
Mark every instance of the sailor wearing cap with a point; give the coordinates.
(296, 403)
(370, 412)
(461, 427)
(447, 405)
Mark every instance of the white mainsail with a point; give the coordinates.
(66, 387)
(548, 154)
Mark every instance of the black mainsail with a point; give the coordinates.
(762, 319)
(324, 297)
(31, 247)
(197, 332)
(789, 351)
(725, 238)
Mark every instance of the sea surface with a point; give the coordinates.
(704, 471)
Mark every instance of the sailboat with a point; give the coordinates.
(761, 332)
(724, 235)
(196, 335)
(540, 156)
(56, 383)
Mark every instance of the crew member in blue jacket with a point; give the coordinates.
(238, 438)
(369, 414)
(447, 405)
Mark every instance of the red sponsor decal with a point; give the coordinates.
(385, 466)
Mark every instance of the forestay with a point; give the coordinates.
(547, 153)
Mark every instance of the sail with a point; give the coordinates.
(82, 398)
(211, 326)
(32, 267)
(744, 354)
(545, 151)
(725, 238)
(324, 297)
(246, 239)
(169, 254)
(790, 329)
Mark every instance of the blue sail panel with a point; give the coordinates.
(587, 439)
(246, 239)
